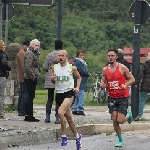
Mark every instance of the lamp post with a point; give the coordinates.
(136, 58)
(139, 14)
(59, 28)
(19, 2)
(0, 19)
(6, 26)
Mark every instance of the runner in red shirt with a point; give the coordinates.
(116, 78)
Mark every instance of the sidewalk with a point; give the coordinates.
(97, 120)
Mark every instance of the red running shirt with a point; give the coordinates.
(114, 81)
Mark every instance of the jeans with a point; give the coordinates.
(79, 101)
(50, 101)
(143, 98)
(31, 87)
(23, 96)
(3, 82)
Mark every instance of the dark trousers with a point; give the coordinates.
(50, 101)
(31, 87)
(23, 96)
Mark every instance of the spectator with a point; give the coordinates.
(51, 59)
(31, 75)
(78, 106)
(20, 73)
(144, 77)
(4, 68)
(121, 59)
(71, 60)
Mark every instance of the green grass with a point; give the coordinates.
(41, 99)
(148, 102)
(10, 109)
(144, 119)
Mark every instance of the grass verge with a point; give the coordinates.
(41, 99)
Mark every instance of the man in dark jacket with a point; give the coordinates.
(4, 68)
(121, 59)
(144, 75)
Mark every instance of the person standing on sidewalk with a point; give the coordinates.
(64, 84)
(20, 73)
(4, 69)
(121, 59)
(78, 106)
(144, 77)
(71, 60)
(51, 59)
(116, 78)
(31, 75)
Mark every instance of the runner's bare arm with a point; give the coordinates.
(76, 73)
(128, 74)
(53, 77)
(103, 83)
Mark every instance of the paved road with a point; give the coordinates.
(134, 140)
(16, 131)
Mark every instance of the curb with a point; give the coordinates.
(94, 129)
(32, 136)
(51, 134)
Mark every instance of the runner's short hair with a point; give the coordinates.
(112, 49)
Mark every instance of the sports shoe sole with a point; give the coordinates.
(80, 142)
(121, 145)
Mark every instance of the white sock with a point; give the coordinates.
(77, 136)
(63, 136)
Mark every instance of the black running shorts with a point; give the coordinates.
(61, 96)
(118, 104)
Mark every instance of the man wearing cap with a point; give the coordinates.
(20, 73)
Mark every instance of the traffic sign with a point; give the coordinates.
(30, 2)
(145, 13)
(10, 12)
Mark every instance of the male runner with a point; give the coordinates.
(114, 77)
(64, 84)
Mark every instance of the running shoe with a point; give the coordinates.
(119, 144)
(78, 142)
(63, 141)
(137, 118)
(130, 118)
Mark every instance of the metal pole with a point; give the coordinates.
(136, 57)
(6, 26)
(0, 19)
(59, 26)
